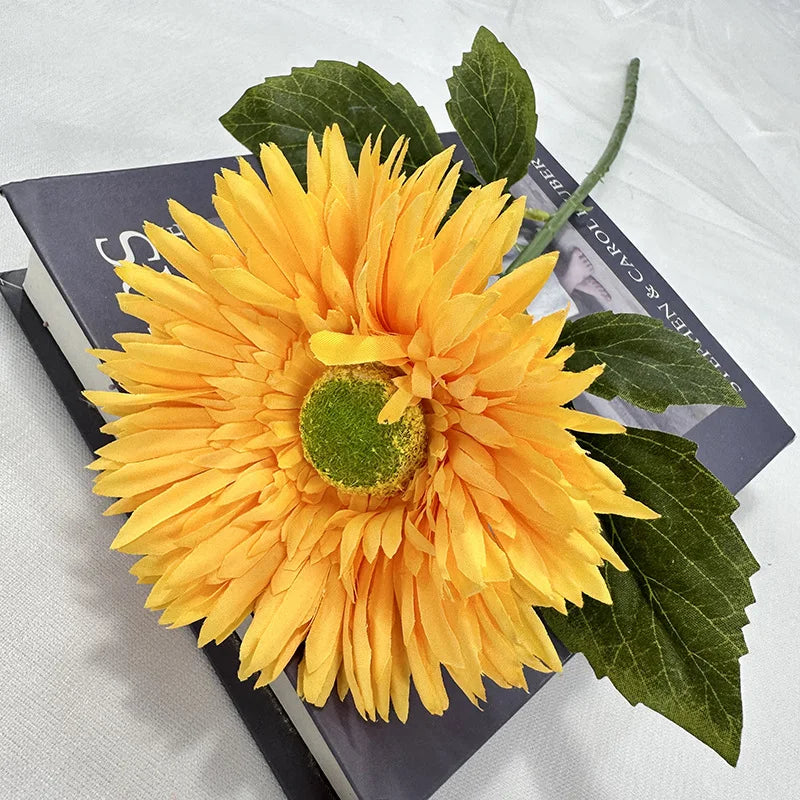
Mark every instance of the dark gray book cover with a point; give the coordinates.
(81, 225)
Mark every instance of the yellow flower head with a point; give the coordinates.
(336, 426)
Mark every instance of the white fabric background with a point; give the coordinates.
(95, 699)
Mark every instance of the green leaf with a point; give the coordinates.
(285, 108)
(493, 109)
(646, 364)
(672, 638)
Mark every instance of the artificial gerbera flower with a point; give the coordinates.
(336, 425)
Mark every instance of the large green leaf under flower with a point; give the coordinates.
(673, 637)
(646, 364)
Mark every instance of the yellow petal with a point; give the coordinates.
(172, 501)
(340, 348)
(244, 285)
(517, 289)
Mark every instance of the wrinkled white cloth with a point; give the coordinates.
(96, 700)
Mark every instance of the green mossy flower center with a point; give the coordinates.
(343, 439)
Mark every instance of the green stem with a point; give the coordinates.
(573, 203)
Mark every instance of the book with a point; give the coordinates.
(80, 226)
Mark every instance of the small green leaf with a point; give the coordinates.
(672, 638)
(646, 364)
(493, 109)
(286, 108)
